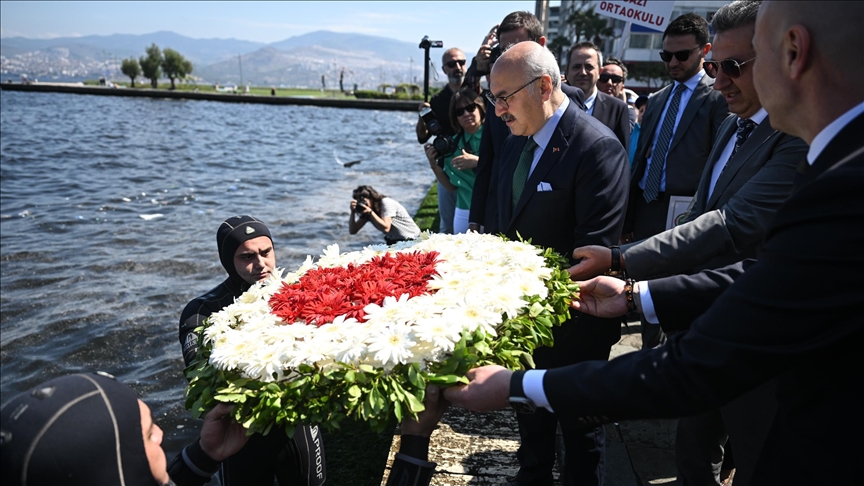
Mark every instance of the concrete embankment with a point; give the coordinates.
(364, 104)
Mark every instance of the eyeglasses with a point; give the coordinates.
(503, 99)
(680, 55)
(730, 67)
(614, 78)
(461, 110)
(452, 64)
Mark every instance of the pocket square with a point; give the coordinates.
(544, 187)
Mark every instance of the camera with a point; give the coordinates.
(425, 43)
(442, 143)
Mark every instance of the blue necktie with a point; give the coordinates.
(658, 159)
(520, 176)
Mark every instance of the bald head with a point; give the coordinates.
(527, 83)
(533, 60)
(809, 63)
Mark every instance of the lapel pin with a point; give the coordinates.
(555, 149)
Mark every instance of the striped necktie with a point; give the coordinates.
(520, 176)
(658, 159)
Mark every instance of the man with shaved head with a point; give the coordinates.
(795, 313)
(563, 181)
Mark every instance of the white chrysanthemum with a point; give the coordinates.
(479, 278)
(442, 334)
(392, 345)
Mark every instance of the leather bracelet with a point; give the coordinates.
(628, 292)
(616, 258)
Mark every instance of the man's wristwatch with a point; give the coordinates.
(518, 400)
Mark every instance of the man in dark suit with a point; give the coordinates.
(562, 180)
(762, 325)
(747, 177)
(584, 63)
(515, 28)
(678, 130)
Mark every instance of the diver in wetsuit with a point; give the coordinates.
(246, 251)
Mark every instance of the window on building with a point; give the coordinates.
(640, 41)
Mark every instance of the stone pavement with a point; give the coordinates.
(478, 449)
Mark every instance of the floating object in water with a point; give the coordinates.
(148, 217)
(345, 164)
(126, 199)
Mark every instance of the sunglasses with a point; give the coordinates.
(614, 78)
(730, 67)
(452, 64)
(461, 111)
(680, 55)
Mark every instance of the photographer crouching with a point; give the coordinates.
(385, 214)
(454, 159)
(434, 120)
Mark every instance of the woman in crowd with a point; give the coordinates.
(456, 173)
(385, 214)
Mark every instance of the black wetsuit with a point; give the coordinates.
(293, 461)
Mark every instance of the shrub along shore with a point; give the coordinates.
(282, 96)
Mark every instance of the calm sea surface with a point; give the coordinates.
(109, 209)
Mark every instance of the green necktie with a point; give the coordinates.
(521, 174)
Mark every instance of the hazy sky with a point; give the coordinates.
(459, 24)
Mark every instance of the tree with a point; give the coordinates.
(557, 45)
(648, 72)
(589, 25)
(174, 65)
(150, 64)
(131, 68)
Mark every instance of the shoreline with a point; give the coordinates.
(363, 104)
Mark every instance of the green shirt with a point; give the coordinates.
(463, 179)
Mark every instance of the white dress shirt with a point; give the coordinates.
(589, 103)
(721, 162)
(828, 133)
(542, 137)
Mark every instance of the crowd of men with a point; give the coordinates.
(738, 226)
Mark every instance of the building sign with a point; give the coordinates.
(648, 13)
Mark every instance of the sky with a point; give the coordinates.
(460, 24)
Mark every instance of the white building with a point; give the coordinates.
(641, 45)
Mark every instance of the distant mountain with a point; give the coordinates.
(199, 51)
(297, 61)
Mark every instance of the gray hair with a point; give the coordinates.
(737, 14)
(539, 62)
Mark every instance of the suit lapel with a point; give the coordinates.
(763, 133)
(599, 108)
(700, 94)
(556, 149)
(727, 129)
(842, 145)
(505, 195)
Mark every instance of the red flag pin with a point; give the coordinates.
(554, 149)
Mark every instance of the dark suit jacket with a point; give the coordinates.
(795, 314)
(495, 132)
(614, 113)
(689, 148)
(731, 224)
(586, 167)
